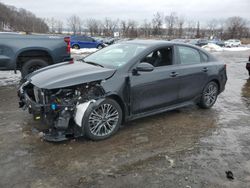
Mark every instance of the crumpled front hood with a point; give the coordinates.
(68, 74)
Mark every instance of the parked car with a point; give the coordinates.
(232, 43)
(217, 42)
(248, 66)
(109, 40)
(198, 42)
(28, 53)
(121, 82)
(78, 42)
(180, 40)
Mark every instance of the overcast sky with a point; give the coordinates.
(197, 10)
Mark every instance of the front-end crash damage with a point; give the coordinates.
(63, 109)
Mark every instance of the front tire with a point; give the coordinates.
(209, 95)
(32, 65)
(103, 120)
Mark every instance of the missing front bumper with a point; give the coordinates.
(69, 120)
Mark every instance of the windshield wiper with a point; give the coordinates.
(91, 63)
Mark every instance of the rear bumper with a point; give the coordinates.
(223, 79)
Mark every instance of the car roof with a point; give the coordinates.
(148, 42)
(153, 43)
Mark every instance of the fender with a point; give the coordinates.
(31, 49)
(89, 109)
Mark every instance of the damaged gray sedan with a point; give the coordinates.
(92, 97)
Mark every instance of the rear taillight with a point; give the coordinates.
(67, 40)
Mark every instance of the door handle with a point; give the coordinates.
(205, 69)
(174, 74)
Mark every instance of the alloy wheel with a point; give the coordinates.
(210, 94)
(103, 120)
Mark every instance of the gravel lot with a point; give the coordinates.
(186, 148)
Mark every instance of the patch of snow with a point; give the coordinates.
(212, 47)
(9, 78)
(236, 49)
(215, 48)
(83, 50)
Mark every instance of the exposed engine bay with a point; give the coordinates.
(62, 109)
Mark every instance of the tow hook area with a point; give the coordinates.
(60, 131)
(54, 135)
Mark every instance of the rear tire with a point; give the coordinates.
(209, 95)
(32, 65)
(103, 121)
(75, 46)
(99, 47)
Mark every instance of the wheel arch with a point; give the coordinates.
(75, 43)
(216, 81)
(121, 103)
(33, 53)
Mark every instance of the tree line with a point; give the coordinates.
(168, 26)
(13, 19)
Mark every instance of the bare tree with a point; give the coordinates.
(124, 27)
(51, 22)
(109, 26)
(212, 24)
(191, 30)
(221, 27)
(59, 26)
(93, 26)
(129, 28)
(170, 22)
(15, 19)
(133, 28)
(146, 28)
(180, 25)
(236, 27)
(74, 23)
(157, 22)
(198, 31)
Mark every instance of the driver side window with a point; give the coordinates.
(160, 57)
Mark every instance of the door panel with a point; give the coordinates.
(193, 73)
(151, 90)
(192, 80)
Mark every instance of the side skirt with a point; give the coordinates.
(165, 109)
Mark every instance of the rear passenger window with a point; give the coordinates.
(189, 55)
(88, 39)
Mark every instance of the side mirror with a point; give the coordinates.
(145, 67)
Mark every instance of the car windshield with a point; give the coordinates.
(115, 55)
